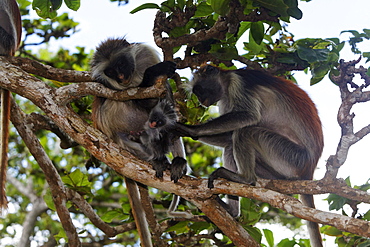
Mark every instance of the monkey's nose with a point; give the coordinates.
(152, 125)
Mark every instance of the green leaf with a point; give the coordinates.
(250, 211)
(278, 6)
(364, 244)
(73, 4)
(257, 31)
(224, 51)
(254, 232)
(295, 13)
(366, 55)
(286, 243)
(49, 201)
(46, 9)
(353, 32)
(116, 214)
(318, 72)
(200, 226)
(76, 179)
(203, 10)
(252, 46)
(336, 202)
(244, 26)
(55, 4)
(332, 231)
(221, 7)
(181, 3)
(269, 237)
(61, 235)
(179, 228)
(293, 9)
(312, 55)
(145, 6)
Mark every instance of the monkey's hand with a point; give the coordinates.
(160, 165)
(178, 168)
(166, 68)
(184, 130)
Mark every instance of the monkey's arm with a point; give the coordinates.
(225, 123)
(166, 68)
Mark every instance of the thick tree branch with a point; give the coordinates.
(48, 72)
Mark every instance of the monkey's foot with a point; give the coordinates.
(230, 176)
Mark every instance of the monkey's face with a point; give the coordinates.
(120, 71)
(207, 85)
(163, 115)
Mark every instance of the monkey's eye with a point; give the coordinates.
(198, 90)
(160, 123)
(110, 72)
(210, 69)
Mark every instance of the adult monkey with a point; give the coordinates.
(268, 127)
(119, 65)
(10, 38)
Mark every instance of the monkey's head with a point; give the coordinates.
(207, 85)
(163, 115)
(113, 63)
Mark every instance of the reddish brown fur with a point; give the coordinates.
(14, 13)
(307, 111)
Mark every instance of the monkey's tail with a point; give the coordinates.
(313, 227)
(138, 213)
(5, 116)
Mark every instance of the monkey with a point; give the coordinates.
(10, 37)
(119, 65)
(156, 139)
(268, 128)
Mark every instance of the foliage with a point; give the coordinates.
(266, 44)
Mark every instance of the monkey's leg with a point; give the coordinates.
(178, 151)
(232, 204)
(239, 159)
(138, 213)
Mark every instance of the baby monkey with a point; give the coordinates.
(154, 142)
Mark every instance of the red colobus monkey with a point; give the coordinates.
(268, 127)
(10, 38)
(120, 65)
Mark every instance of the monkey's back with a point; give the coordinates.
(286, 109)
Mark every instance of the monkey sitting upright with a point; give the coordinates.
(119, 65)
(268, 127)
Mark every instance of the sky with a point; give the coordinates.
(100, 19)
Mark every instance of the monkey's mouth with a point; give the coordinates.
(122, 79)
(205, 103)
